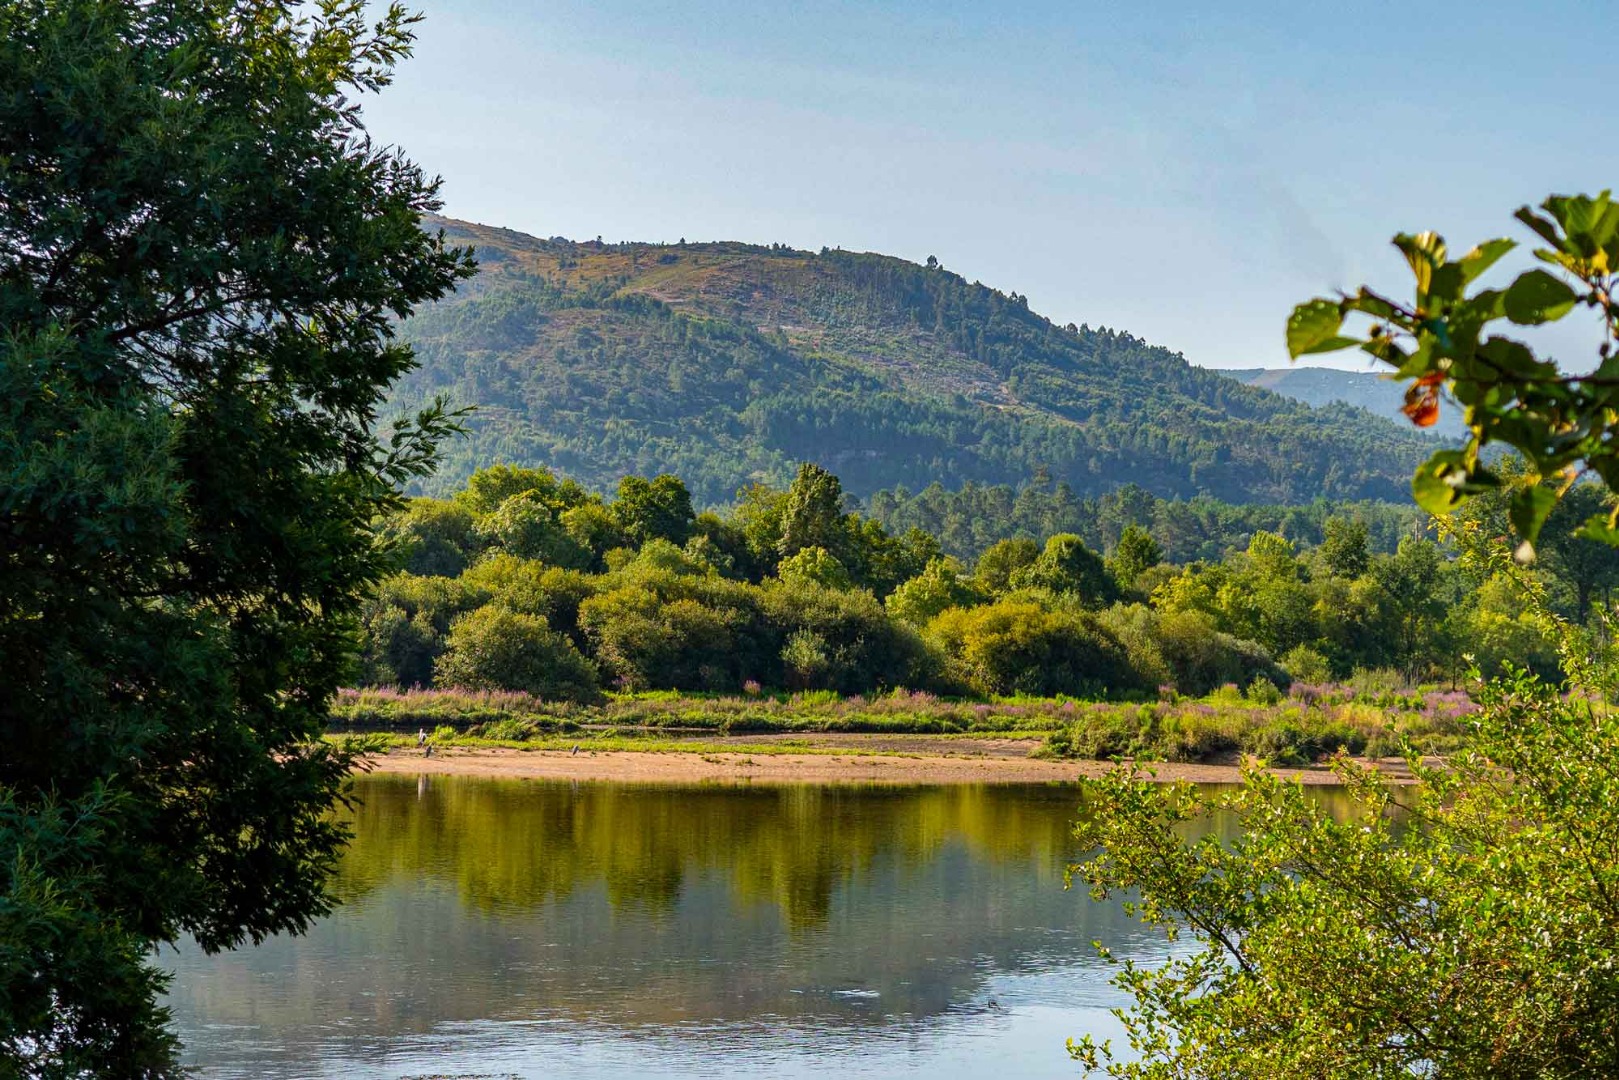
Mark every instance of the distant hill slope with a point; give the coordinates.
(1363, 389)
(728, 362)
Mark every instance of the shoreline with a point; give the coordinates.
(849, 760)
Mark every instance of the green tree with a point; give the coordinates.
(812, 513)
(488, 488)
(525, 526)
(1017, 647)
(938, 587)
(1001, 561)
(434, 536)
(493, 648)
(813, 565)
(656, 509)
(1066, 565)
(1135, 553)
(202, 258)
(1345, 550)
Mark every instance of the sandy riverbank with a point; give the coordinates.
(863, 760)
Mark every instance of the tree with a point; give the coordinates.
(434, 536)
(525, 526)
(1017, 647)
(1463, 925)
(938, 587)
(812, 513)
(1345, 550)
(656, 509)
(201, 263)
(497, 649)
(1135, 553)
(815, 566)
(1066, 565)
(1001, 561)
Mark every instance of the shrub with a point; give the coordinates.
(1017, 647)
(937, 588)
(1306, 665)
(496, 649)
(648, 643)
(1203, 658)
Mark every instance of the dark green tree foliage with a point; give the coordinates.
(1067, 567)
(1002, 561)
(434, 536)
(657, 509)
(812, 513)
(1019, 647)
(1345, 549)
(494, 648)
(970, 520)
(1135, 553)
(530, 528)
(201, 262)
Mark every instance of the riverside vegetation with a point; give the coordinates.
(527, 582)
(1310, 723)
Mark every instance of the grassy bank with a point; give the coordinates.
(1311, 723)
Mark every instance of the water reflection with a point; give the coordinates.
(542, 929)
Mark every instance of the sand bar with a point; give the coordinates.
(871, 760)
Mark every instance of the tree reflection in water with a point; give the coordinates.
(728, 915)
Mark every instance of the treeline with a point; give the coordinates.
(525, 581)
(970, 519)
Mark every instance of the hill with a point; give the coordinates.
(727, 363)
(1367, 390)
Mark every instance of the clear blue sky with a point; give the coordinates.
(1185, 171)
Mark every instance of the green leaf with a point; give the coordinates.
(1598, 528)
(1376, 306)
(1544, 229)
(1538, 297)
(1313, 327)
(1436, 486)
(1528, 510)
(1483, 257)
(1425, 252)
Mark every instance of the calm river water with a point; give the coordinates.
(524, 929)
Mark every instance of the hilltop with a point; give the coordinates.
(1368, 390)
(727, 363)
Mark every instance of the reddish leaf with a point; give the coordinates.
(1422, 400)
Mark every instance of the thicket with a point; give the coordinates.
(525, 581)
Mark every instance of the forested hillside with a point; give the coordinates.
(726, 363)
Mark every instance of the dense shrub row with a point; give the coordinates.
(527, 582)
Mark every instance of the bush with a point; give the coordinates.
(863, 648)
(496, 649)
(814, 566)
(1203, 658)
(1306, 665)
(1017, 647)
(647, 642)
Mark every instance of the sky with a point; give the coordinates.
(1185, 171)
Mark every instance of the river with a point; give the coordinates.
(507, 928)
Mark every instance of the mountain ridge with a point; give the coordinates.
(726, 363)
